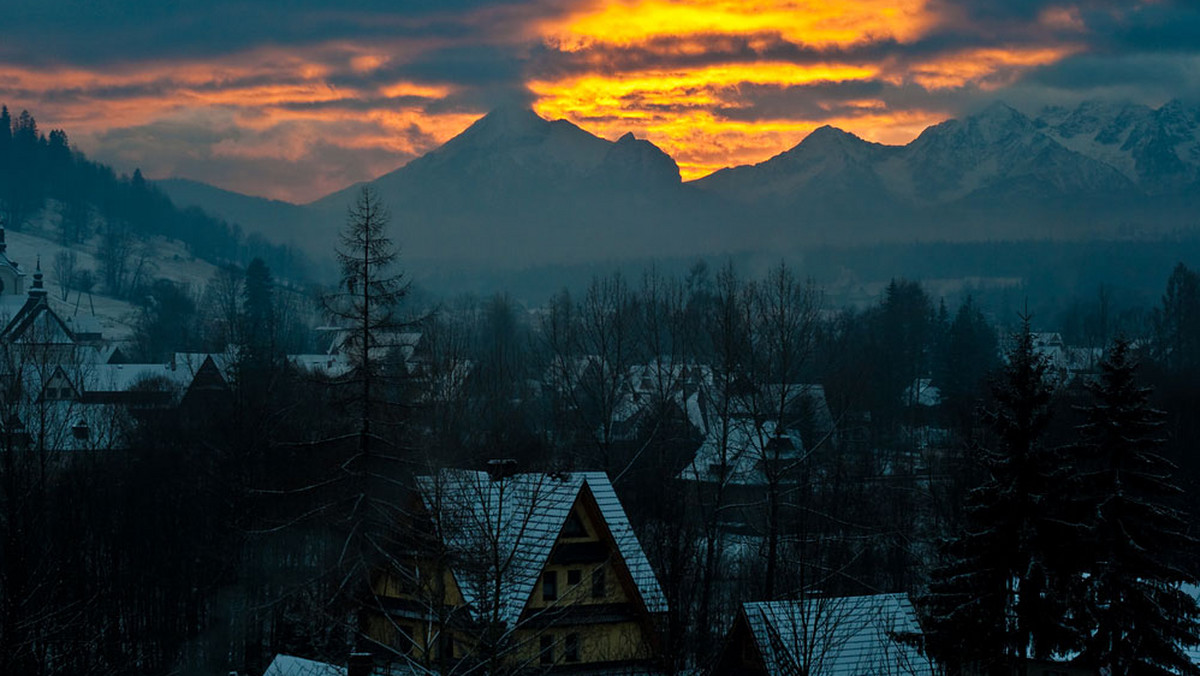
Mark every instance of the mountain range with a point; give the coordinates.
(515, 190)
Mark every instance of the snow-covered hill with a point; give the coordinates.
(159, 258)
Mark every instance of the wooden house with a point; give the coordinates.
(538, 571)
(874, 635)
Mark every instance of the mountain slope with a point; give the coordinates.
(514, 189)
(995, 174)
(269, 218)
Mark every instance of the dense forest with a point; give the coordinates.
(41, 172)
(929, 450)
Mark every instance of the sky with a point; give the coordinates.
(293, 99)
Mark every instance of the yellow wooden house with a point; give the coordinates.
(523, 572)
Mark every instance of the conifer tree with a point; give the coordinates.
(1141, 550)
(258, 314)
(370, 291)
(1004, 593)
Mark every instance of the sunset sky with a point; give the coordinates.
(293, 99)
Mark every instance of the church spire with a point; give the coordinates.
(38, 289)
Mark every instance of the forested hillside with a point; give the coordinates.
(44, 180)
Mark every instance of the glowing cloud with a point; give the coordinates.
(345, 96)
(810, 22)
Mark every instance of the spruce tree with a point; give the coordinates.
(1002, 594)
(258, 314)
(1141, 553)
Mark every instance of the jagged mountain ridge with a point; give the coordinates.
(514, 189)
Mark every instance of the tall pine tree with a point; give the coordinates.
(1141, 551)
(1002, 595)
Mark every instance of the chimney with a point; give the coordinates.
(501, 469)
(360, 664)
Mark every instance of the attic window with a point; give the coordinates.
(573, 528)
(550, 585)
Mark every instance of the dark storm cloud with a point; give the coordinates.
(79, 32)
(469, 65)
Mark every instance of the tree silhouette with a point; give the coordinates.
(1142, 550)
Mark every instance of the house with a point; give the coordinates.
(358, 664)
(12, 278)
(521, 569)
(35, 327)
(875, 635)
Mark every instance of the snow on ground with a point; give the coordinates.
(159, 258)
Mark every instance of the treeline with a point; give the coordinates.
(234, 527)
(91, 201)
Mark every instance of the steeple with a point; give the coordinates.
(37, 289)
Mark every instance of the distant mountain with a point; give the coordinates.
(997, 174)
(515, 190)
(47, 183)
(277, 220)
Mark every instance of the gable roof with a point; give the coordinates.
(288, 665)
(838, 636)
(520, 518)
(746, 446)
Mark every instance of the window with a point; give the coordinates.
(598, 583)
(547, 654)
(549, 585)
(574, 577)
(573, 528)
(571, 649)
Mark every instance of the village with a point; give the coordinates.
(630, 498)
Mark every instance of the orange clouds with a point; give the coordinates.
(819, 23)
(989, 68)
(690, 110)
(713, 82)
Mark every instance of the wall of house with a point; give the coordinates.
(581, 593)
(13, 283)
(598, 643)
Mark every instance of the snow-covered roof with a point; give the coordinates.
(288, 665)
(922, 392)
(739, 460)
(330, 365)
(520, 517)
(122, 377)
(840, 636)
(190, 362)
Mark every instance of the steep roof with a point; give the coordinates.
(839, 636)
(520, 518)
(739, 462)
(35, 322)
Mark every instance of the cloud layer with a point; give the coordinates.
(296, 99)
